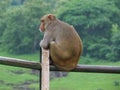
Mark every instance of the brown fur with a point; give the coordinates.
(63, 42)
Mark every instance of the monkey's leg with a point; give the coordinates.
(58, 52)
(61, 59)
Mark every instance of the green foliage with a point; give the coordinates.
(4, 4)
(93, 20)
(114, 54)
(17, 2)
(21, 34)
(117, 3)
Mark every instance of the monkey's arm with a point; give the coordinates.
(46, 40)
(43, 45)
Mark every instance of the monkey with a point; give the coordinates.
(62, 41)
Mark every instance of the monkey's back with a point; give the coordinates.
(68, 36)
(68, 39)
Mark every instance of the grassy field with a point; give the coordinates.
(87, 81)
(13, 78)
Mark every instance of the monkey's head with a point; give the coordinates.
(45, 21)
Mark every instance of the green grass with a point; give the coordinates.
(8, 74)
(86, 81)
(74, 81)
(31, 57)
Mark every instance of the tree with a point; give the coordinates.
(4, 4)
(93, 20)
(21, 33)
(114, 54)
(17, 2)
(117, 3)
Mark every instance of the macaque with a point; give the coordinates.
(63, 42)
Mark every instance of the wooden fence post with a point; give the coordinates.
(45, 70)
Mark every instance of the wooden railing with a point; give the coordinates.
(44, 67)
(80, 68)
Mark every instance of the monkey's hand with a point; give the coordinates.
(43, 44)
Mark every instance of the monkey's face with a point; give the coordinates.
(45, 21)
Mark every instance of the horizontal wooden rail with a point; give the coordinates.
(19, 63)
(79, 68)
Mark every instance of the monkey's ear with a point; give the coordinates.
(51, 16)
